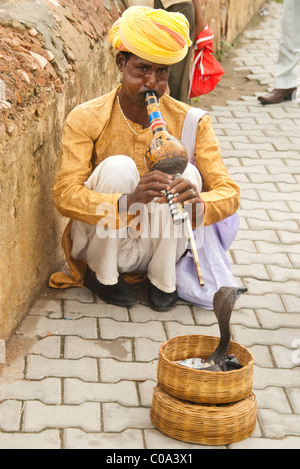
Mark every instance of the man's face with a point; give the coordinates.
(140, 76)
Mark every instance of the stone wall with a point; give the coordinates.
(54, 54)
(52, 57)
(228, 18)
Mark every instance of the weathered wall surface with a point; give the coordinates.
(52, 57)
(228, 18)
(54, 54)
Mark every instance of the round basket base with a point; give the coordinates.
(203, 424)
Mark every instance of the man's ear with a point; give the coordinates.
(120, 61)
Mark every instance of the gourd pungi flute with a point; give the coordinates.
(166, 153)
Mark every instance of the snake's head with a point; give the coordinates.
(225, 298)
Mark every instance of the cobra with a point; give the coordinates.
(223, 304)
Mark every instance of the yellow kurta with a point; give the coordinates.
(96, 130)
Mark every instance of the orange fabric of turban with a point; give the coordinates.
(152, 34)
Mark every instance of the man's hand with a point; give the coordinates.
(150, 186)
(188, 193)
(185, 191)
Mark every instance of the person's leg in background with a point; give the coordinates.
(289, 50)
(286, 75)
(180, 72)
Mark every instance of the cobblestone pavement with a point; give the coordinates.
(83, 371)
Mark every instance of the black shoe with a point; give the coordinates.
(160, 300)
(120, 294)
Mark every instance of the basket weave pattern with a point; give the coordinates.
(203, 424)
(200, 385)
(200, 406)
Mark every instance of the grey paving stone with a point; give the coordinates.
(114, 371)
(289, 225)
(285, 357)
(283, 217)
(39, 367)
(117, 418)
(268, 443)
(292, 303)
(77, 439)
(50, 308)
(262, 287)
(295, 259)
(204, 317)
(270, 320)
(47, 390)
(264, 377)
(260, 205)
(245, 245)
(294, 395)
(283, 170)
(262, 355)
(244, 317)
(269, 301)
(280, 274)
(49, 347)
(287, 188)
(259, 169)
(15, 370)
(123, 392)
(282, 336)
(273, 398)
(180, 313)
(72, 293)
(155, 439)
(78, 294)
(254, 270)
(77, 309)
(266, 235)
(146, 392)
(146, 349)
(76, 347)
(289, 237)
(38, 416)
(48, 439)
(279, 425)
(175, 329)
(10, 415)
(43, 327)
(110, 329)
(258, 214)
(245, 258)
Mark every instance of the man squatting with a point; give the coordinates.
(102, 165)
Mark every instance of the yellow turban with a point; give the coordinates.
(154, 35)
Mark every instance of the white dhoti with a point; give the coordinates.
(154, 249)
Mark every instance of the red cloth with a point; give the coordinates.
(207, 71)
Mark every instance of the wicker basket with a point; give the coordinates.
(200, 385)
(203, 424)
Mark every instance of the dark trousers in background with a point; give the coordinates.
(180, 72)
